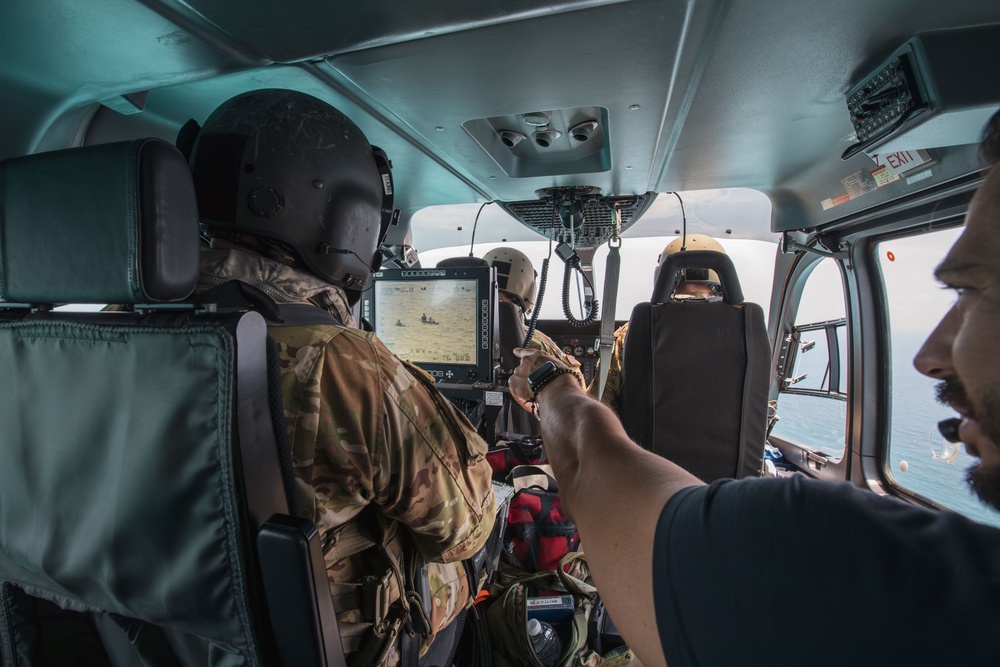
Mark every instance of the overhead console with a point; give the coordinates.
(933, 91)
(578, 215)
(579, 219)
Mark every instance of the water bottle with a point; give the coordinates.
(545, 642)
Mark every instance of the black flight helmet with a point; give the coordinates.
(287, 166)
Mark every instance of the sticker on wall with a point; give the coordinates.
(884, 177)
(830, 202)
(859, 183)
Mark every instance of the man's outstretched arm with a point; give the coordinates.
(614, 491)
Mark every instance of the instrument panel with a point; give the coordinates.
(581, 342)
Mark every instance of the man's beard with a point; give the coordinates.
(984, 480)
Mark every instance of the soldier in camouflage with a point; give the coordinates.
(292, 196)
(697, 284)
(516, 284)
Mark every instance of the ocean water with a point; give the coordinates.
(914, 436)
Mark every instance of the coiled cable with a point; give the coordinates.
(538, 303)
(593, 312)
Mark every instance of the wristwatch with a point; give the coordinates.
(544, 374)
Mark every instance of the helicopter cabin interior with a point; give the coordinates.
(829, 147)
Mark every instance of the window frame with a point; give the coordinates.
(869, 381)
(794, 345)
(804, 457)
(870, 405)
(886, 478)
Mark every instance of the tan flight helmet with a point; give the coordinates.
(515, 275)
(696, 276)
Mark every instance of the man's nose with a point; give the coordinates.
(934, 357)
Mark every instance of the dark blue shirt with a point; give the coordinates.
(802, 572)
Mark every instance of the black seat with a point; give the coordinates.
(702, 403)
(511, 334)
(144, 508)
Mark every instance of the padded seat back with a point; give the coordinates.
(702, 402)
(137, 455)
(511, 334)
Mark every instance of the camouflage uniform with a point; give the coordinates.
(540, 341)
(613, 385)
(516, 419)
(366, 429)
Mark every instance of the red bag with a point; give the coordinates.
(538, 534)
(508, 454)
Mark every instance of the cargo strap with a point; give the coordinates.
(538, 476)
(611, 275)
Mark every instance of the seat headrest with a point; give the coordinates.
(114, 223)
(461, 263)
(670, 274)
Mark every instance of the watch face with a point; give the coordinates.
(541, 372)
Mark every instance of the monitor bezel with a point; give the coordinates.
(487, 348)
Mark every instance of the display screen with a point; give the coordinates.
(429, 321)
(442, 319)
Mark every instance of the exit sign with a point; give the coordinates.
(901, 162)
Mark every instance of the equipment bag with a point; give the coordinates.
(514, 450)
(538, 534)
(507, 616)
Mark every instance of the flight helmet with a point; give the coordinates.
(515, 275)
(694, 242)
(288, 167)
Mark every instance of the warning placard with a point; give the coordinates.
(884, 177)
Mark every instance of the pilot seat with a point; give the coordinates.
(702, 402)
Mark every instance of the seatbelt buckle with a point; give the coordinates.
(375, 598)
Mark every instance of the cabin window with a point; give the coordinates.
(812, 405)
(918, 457)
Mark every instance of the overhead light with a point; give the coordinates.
(536, 118)
(583, 131)
(544, 138)
(510, 139)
